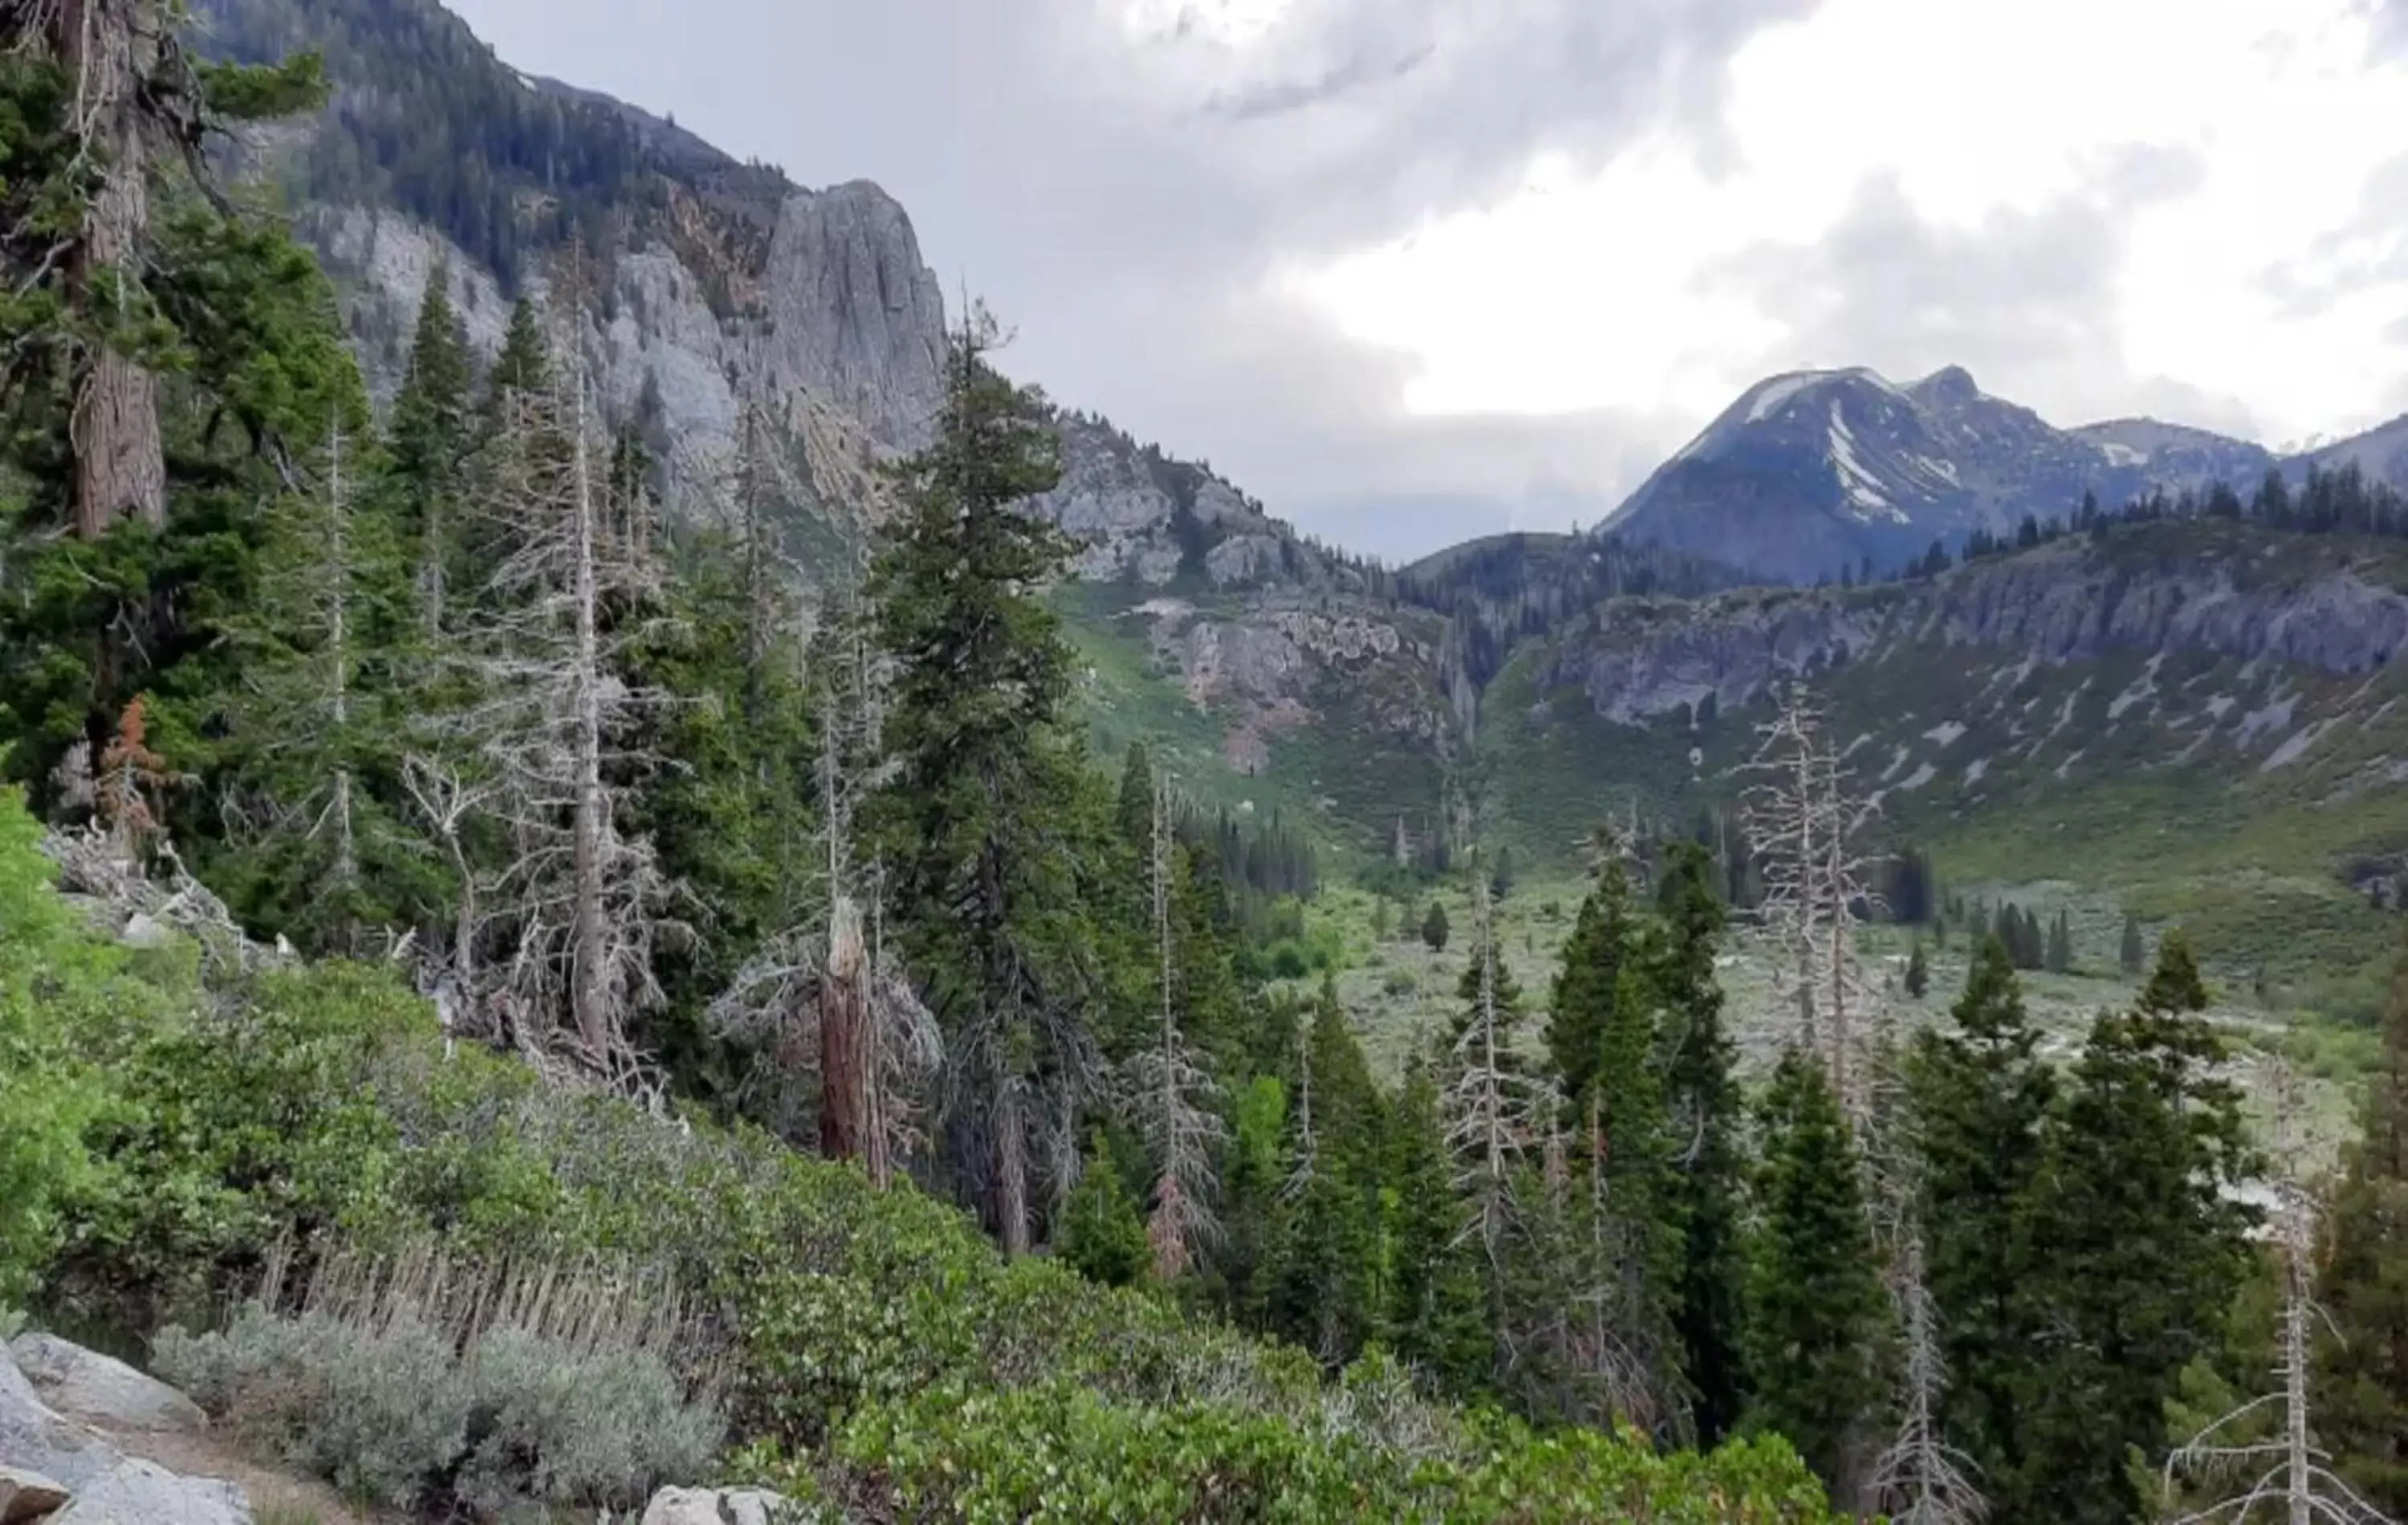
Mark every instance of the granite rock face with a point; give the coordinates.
(2069, 602)
(85, 1385)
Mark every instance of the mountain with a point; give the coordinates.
(2381, 453)
(2176, 456)
(2201, 718)
(1816, 473)
(716, 285)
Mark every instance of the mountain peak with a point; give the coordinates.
(1815, 473)
(1950, 385)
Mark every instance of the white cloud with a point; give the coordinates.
(1609, 290)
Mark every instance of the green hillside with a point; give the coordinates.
(2253, 800)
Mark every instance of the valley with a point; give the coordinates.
(636, 876)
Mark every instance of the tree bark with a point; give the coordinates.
(844, 1058)
(121, 470)
(1011, 1169)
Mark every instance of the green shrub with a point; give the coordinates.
(1062, 1452)
(1401, 982)
(60, 991)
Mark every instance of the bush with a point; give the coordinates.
(597, 1431)
(392, 1402)
(1401, 982)
(1063, 1452)
(378, 1413)
(61, 991)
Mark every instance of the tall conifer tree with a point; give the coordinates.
(1704, 1116)
(1978, 1095)
(1816, 1311)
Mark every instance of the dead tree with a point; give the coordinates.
(1170, 1093)
(1921, 1478)
(1492, 1108)
(446, 800)
(828, 997)
(1308, 1142)
(1803, 821)
(2289, 1478)
(1621, 1372)
(580, 904)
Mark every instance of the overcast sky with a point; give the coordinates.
(1411, 270)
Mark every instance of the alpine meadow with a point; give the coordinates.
(639, 882)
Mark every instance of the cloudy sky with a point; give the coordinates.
(1417, 270)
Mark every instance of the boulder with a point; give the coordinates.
(715, 1506)
(34, 1438)
(85, 1385)
(27, 1495)
(144, 1493)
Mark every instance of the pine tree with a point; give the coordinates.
(312, 750)
(1434, 1317)
(2362, 1358)
(1434, 928)
(1136, 813)
(1603, 943)
(2061, 945)
(523, 367)
(1816, 1310)
(1102, 1237)
(1630, 1155)
(1977, 1096)
(430, 444)
(1703, 1113)
(560, 727)
(2138, 1245)
(1918, 972)
(1171, 1094)
(2132, 957)
(979, 822)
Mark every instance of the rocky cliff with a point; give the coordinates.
(716, 286)
(2176, 592)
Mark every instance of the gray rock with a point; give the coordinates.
(26, 1495)
(716, 1506)
(86, 1384)
(33, 1437)
(2068, 603)
(145, 1493)
(142, 931)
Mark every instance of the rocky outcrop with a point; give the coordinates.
(85, 1385)
(2070, 601)
(34, 1437)
(144, 1493)
(717, 1507)
(47, 1458)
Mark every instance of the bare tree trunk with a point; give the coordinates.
(590, 988)
(107, 46)
(845, 1062)
(1011, 1167)
(339, 642)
